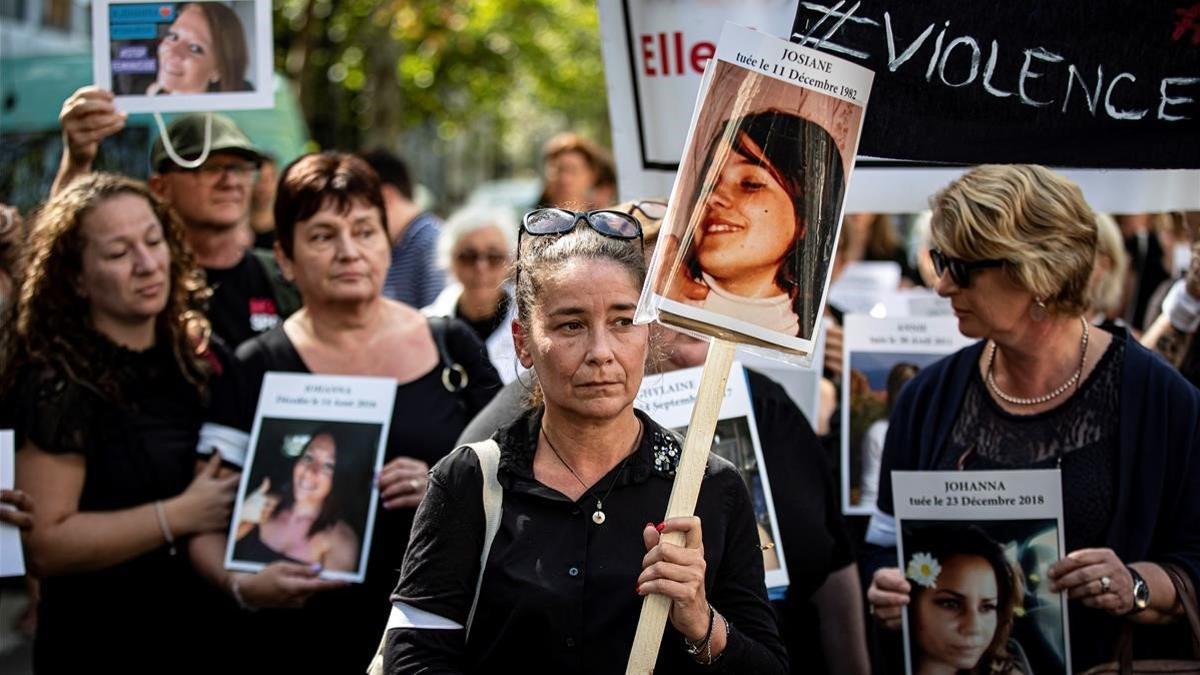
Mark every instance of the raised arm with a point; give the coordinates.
(87, 118)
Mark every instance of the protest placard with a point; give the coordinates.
(188, 56)
(879, 356)
(655, 54)
(308, 491)
(669, 399)
(12, 559)
(745, 252)
(748, 239)
(976, 547)
(1106, 85)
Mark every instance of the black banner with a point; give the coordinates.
(1100, 84)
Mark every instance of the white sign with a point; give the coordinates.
(179, 57)
(308, 491)
(976, 547)
(12, 560)
(879, 356)
(669, 399)
(655, 54)
(646, 43)
(747, 243)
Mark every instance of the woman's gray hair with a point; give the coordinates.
(472, 218)
(543, 255)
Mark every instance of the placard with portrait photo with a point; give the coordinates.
(747, 244)
(184, 56)
(976, 548)
(669, 398)
(879, 357)
(12, 560)
(308, 491)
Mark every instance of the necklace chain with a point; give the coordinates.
(1037, 400)
(598, 517)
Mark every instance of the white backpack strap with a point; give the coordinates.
(488, 453)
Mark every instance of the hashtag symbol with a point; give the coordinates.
(1187, 21)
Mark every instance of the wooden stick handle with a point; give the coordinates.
(688, 474)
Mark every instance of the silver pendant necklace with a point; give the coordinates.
(598, 516)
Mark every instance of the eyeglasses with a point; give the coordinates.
(960, 270)
(560, 221)
(653, 209)
(213, 172)
(469, 257)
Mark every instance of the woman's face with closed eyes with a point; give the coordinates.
(956, 620)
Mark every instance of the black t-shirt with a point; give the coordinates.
(131, 616)
(243, 304)
(346, 624)
(558, 593)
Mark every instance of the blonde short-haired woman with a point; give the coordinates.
(1014, 248)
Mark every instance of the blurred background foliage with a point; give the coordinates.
(465, 90)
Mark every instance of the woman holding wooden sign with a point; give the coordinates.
(583, 477)
(1014, 248)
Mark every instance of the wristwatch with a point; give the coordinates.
(1141, 592)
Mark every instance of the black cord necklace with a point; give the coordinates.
(598, 516)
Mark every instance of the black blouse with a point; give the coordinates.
(347, 623)
(558, 594)
(136, 450)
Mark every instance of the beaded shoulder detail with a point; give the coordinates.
(666, 449)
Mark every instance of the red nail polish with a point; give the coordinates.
(649, 524)
(660, 526)
(638, 589)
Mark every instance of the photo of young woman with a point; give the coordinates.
(309, 513)
(965, 596)
(747, 252)
(203, 50)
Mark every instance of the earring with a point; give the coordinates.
(1037, 311)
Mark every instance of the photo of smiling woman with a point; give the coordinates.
(309, 502)
(965, 596)
(203, 50)
(748, 259)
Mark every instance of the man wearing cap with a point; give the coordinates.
(212, 201)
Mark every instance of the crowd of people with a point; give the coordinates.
(521, 490)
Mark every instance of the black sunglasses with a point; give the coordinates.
(960, 270)
(653, 209)
(560, 221)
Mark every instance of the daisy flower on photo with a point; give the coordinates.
(923, 569)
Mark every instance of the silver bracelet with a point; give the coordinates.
(166, 527)
(236, 592)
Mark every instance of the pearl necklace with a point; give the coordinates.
(1038, 400)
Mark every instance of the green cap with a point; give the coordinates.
(187, 138)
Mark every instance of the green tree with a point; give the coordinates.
(489, 78)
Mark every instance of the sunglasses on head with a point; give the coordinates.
(652, 209)
(960, 270)
(560, 221)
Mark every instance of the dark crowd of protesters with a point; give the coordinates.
(141, 317)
